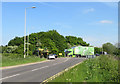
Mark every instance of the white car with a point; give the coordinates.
(51, 56)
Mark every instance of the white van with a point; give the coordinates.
(51, 56)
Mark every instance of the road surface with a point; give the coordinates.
(38, 72)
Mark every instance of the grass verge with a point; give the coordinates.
(16, 59)
(100, 69)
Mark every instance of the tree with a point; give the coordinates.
(19, 50)
(97, 50)
(51, 40)
(10, 49)
(72, 40)
(116, 51)
(109, 48)
(69, 46)
(38, 43)
(15, 42)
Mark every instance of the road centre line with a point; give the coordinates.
(31, 70)
(9, 76)
(47, 66)
(61, 62)
(21, 73)
(39, 68)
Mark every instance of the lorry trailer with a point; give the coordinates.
(79, 51)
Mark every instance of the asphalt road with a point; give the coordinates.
(38, 72)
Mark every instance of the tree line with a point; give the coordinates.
(54, 42)
(50, 40)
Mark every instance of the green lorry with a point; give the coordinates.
(79, 51)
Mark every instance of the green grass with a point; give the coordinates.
(100, 69)
(16, 59)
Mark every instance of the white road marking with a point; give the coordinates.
(35, 69)
(9, 76)
(56, 63)
(32, 70)
(39, 68)
(21, 73)
(61, 62)
(66, 59)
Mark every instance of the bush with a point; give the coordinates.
(105, 66)
(12, 55)
(101, 69)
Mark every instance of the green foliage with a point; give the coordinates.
(72, 40)
(103, 69)
(16, 41)
(97, 50)
(100, 69)
(10, 59)
(51, 40)
(8, 49)
(4, 49)
(19, 50)
(11, 49)
(109, 48)
(117, 51)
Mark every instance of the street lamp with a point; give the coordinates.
(25, 31)
(33, 7)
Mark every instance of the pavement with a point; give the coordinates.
(37, 72)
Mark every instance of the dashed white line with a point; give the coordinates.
(61, 62)
(56, 63)
(31, 70)
(19, 74)
(9, 76)
(34, 69)
(39, 68)
(66, 60)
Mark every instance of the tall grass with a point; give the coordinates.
(100, 69)
(16, 59)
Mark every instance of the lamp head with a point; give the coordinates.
(33, 7)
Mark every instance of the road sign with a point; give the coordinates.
(60, 53)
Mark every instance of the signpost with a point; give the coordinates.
(60, 53)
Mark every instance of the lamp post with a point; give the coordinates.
(28, 44)
(25, 32)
